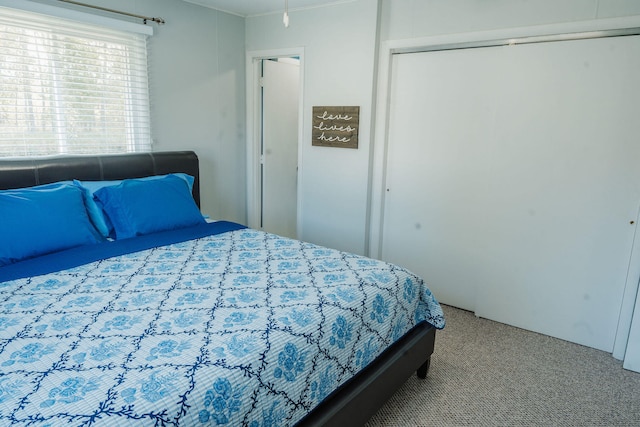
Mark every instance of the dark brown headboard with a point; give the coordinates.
(16, 173)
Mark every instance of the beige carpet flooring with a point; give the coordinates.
(485, 373)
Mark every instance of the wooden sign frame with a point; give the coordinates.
(335, 127)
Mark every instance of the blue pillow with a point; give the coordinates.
(137, 207)
(39, 220)
(95, 210)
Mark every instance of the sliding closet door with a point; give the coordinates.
(513, 178)
(436, 167)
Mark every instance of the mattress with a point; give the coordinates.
(211, 325)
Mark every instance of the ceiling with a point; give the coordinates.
(261, 7)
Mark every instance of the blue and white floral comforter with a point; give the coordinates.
(239, 328)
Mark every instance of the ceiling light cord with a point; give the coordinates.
(285, 17)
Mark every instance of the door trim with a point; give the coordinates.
(253, 131)
(629, 298)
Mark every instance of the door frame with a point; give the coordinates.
(254, 131)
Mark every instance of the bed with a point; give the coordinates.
(190, 322)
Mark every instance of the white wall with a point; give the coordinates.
(340, 62)
(339, 44)
(405, 19)
(197, 92)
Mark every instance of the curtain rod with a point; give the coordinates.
(144, 18)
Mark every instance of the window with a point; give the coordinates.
(71, 88)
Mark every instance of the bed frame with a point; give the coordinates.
(354, 402)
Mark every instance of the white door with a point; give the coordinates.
(436, 168)
(513, 182)
(280, 96)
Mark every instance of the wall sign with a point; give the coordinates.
(335, 127)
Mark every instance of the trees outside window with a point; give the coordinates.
(70, 88)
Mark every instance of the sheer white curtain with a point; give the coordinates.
(68, 87)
